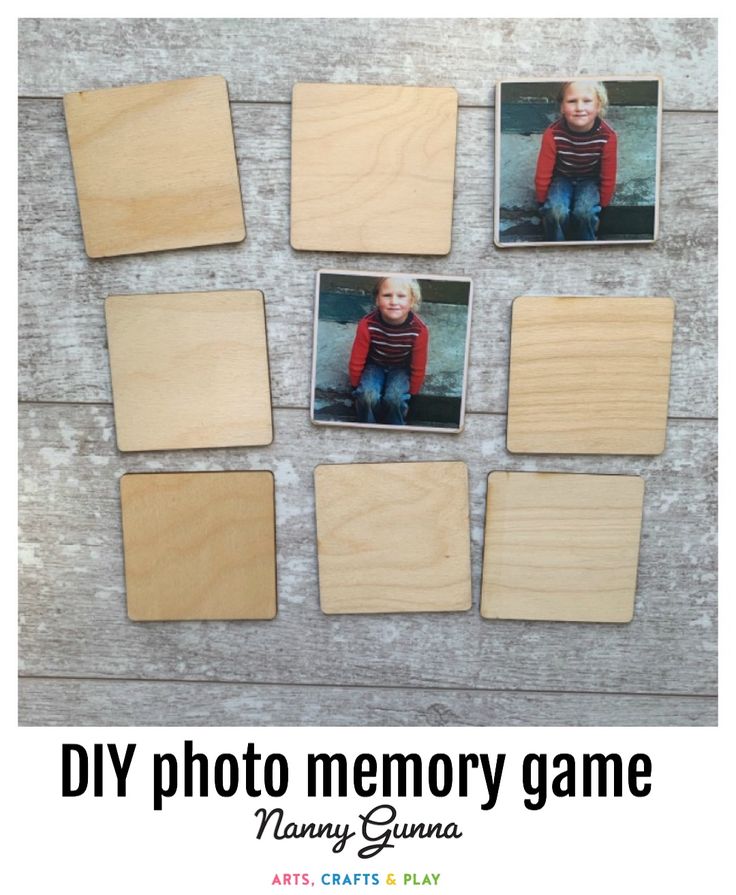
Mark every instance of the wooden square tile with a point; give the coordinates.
(199, 545)
(589, 375)
(372, 168)
(561, 547)
(189, 370)
(393, 537)
(155, 166)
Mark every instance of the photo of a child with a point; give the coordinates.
(389, 358)
(577, 161)
(576, 168)
(374, 361)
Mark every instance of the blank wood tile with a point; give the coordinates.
(562, 547)
(199, 545)
(155, 166)
(393, 537)
(372, 168)
(189, 370)
(589, 375)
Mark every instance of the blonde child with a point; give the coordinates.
(389, 357)
(576, 167)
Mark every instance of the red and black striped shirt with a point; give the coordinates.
(591, 154)
(378, 342)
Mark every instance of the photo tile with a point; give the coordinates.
(391, 350)
(577, 161)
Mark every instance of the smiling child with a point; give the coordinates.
(576, 167)
(389, 357)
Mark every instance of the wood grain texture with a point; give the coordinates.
(155, 166)
(589, 375)
(73, 622)
(199, 545)
(72, 600)
(372, 168)
(107, 703)
(561, 547)
(62, 55)
(189, 370)
(393, 537)
(68, 362)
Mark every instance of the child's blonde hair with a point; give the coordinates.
(414, 289)
(598, 86)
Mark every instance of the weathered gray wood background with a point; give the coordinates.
(83, 662)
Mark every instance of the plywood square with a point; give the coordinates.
(562, 547)
(199, 545)
(155, 166)
(372, 168)
(393, 537)
(189, 370)
(589, 375)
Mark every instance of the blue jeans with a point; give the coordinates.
(572, 209)
(382, 395)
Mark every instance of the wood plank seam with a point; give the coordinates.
(674, 694)
(286, 102)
